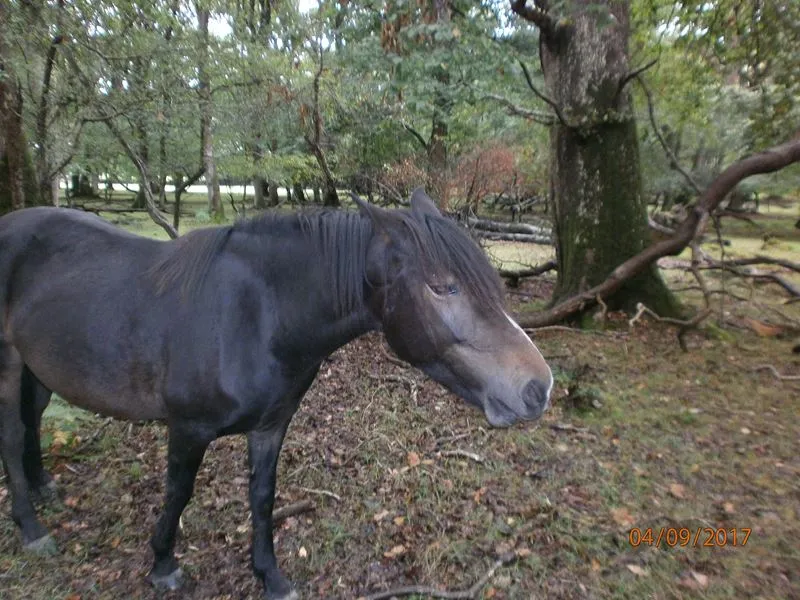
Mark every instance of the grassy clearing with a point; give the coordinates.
(641, 435)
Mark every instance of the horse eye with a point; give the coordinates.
(445, 290)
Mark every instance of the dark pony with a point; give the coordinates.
(223, 330)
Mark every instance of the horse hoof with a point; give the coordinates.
(44, 546)
(47, 493)
(167, 583)
(292, 595)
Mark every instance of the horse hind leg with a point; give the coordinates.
(12, 442)
(35, 397)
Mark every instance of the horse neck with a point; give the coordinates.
(321, 302)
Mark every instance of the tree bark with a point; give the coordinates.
(437, 146)
(215, 206)
(600, 217)
(13, 149)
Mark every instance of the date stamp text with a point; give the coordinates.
(701, 537)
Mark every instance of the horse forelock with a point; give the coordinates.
(446, 246)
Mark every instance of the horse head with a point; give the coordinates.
(440, 304)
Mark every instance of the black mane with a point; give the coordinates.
(341, 239)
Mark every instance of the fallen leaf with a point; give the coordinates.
(702, 580)
(302, 553)
(380, 516)
(413, 459)
(396, 551)
(764, 329)
(595, 565)
(479, 494)
(745, 431)
(622, 517)
(490, 593)
(523, 552)
(729, 508)
(71, 501)
(677, 490)
(637, 570)
(73, 597)
(399, 521)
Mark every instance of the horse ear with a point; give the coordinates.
(370, 211)
(421, 204)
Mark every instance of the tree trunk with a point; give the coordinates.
(299, 193)
(260, 188)
(13, 150)
(599, 210)
(437, 146)
(215, 206)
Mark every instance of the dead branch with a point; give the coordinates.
(775, 373)
(768, 161)
(515, 276)
(542, 96)
(568, 428)
(291, 510)
(614, 334)
(422, 590)
(670, 154)
(470, 455)
(537, 116)
(322, 493)
(683, 326)
(535, 15)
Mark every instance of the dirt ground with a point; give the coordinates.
(410, 486)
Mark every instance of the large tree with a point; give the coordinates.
(596, 190)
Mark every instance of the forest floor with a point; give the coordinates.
(410, 486)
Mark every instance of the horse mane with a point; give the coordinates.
(340, 239)
(190, 259)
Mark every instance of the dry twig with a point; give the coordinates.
(322, 493)
(775, 373)
(422, 590)
(683, 326)
(471, 455)
(291, 510)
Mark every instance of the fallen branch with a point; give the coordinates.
(525, 238)
(614, 334)
(463, 453)
(322, 493)
(764, 162)
(683, 326)
(291, 510)
(515, 276)
(567, 427)
(775, 373)
(502, 227)
(422, 590)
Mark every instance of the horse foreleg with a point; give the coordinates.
(34, 400)
(263, 448)
(185, 453)
(12, 441)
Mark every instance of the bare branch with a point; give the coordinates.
(683, 326)
(635, 73)
(542, 96)
(776, 374)
(469, 594)
(535, 14)
(768, 161)
(534, 115)
(416, 134)
(670, 154)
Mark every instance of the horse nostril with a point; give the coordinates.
(536, 393)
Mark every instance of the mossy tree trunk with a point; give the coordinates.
(596, 191)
